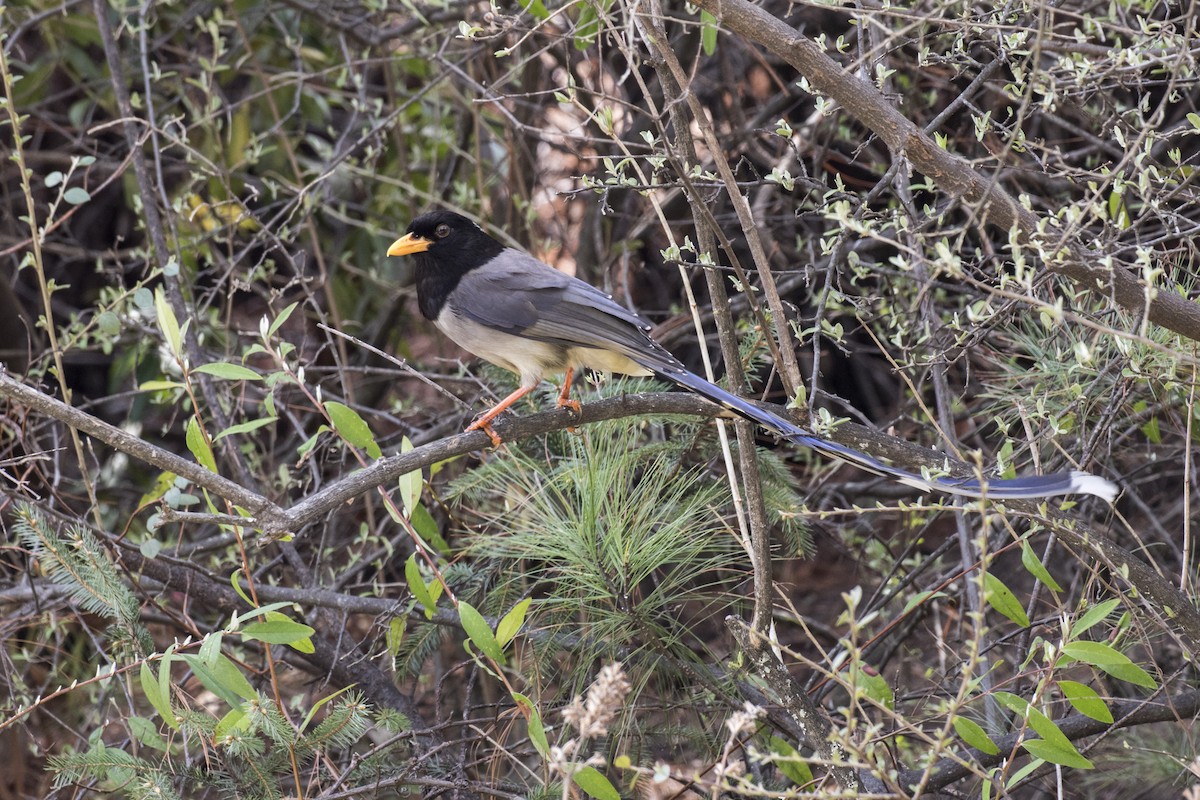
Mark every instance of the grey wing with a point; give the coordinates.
(518, 294)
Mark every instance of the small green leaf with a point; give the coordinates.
(587, 28)
(536, 8)
(479, 632)
(1085, 701)
(791, 763)
(234, 720)
(1066, 756)
(1045, 727)
(395, 635)
(282, 318)
(537, 731)
(146, 732)
(198, 445)
(708, 33)
(1033, 565)
(162, 484)
(1194, 118)
(426, 526)
(108, 323)
(278, 629)
(168, 324)
(76, 195)
(409, 484)
(222, 678)
(351, 427)
(1095, 614)
(54, 179)
(159, 694)
(970, 732)
(512, 622)
(416, 585)
(1109, 659)
(158, 386)
(244, 427)
(228, 372)
(873, 686)
(1001, 598)
(595, 784)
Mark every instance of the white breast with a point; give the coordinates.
(530, 359)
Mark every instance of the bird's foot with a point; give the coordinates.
(575, 408)
(484, 424)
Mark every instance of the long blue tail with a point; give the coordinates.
(1033, 486)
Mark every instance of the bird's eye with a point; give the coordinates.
(442, 231)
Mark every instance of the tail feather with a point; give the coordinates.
(1029, 487)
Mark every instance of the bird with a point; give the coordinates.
(509, 308)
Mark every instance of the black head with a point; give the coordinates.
(446, 247)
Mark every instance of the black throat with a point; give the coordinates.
(441, 268)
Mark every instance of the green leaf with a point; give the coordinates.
(222, 678)
(791, 764)
(595, 784)
(162, 484)
(198, 445)
(1194, 118)
(395, 635)
(427, 528)
(108, 323)
(158, 386)
(512, 622)
(1001, 598)
(278, 629)
(1012, 702)
(1033, 565)
(244, 427)
(970, 732)
(234, 720)
(282, 318)
(587, 28)
(479, 632)
(168, 324)
(1112, 661)
(537, 731)
(146, 732)
(312, 712)
(1054, 746)
(919, 599)
(416, 585)
(228, 372)
(536, 8)
(1085, 701)
(76, 195)
(1066, 756)
(708, 33)
(1045, 727)
(1095, 614)
(410, 483)
(158, 692)
(873, 686)
(351, 427)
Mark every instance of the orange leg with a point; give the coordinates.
(484, 422)
(564, 397)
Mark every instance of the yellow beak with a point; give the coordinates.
(408, 244)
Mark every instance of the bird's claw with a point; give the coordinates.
(485, 425)
(574, 407)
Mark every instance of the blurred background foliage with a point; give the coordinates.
(283, 146)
